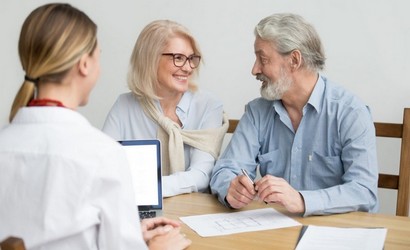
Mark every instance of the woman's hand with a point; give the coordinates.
(163, 234)
(152, 227)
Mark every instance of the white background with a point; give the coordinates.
(366, 43)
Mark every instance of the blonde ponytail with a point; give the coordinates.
(52, 40)
(23, 97)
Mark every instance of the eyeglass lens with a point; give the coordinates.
(180, 60)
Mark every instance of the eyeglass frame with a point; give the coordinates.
(187, 58)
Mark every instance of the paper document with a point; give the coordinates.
(238, 222)
(334, 238)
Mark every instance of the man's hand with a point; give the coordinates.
(241, 192)
(274, 189)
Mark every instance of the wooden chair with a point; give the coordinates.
(232, 126)
(12, 243)
(400, 182)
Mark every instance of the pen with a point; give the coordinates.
(249, 178)
(246, 174)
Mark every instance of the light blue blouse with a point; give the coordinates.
(331, 158)
(196, 110)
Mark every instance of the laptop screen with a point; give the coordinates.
(144, 157)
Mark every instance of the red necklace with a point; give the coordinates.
(45, 102)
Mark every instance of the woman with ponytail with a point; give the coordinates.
(63, 183)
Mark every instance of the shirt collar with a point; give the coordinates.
(49, 114)
(315, 98)
(183, 107)
(185, 102)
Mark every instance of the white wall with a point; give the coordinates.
(366, 43)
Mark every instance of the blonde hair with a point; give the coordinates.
(142, 73)
(52, 40)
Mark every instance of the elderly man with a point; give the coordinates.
(314, 142)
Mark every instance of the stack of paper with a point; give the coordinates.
(334, 238)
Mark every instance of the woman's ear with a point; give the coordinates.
(83, 65)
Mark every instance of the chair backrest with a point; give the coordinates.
(12, 243)
(232, 126)
(400, 182)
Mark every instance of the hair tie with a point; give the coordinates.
(33, 80)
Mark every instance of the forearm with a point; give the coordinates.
(224, 172)
(185, 182)
(343, 198)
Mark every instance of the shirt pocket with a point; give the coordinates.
(327, 170)
(272, 163)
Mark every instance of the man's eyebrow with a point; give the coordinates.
(260, 52)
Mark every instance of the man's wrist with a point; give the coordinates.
(227, 203)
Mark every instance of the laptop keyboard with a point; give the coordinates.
(147, 214)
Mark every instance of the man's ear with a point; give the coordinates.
(295, 59)
(83, 65)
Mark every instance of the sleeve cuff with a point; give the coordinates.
(226, 203)
(313, 203)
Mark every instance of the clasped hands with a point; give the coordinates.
(270, 189)
(163, 233)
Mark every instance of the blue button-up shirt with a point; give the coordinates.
(331, 158)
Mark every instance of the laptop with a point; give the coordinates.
(144, 157)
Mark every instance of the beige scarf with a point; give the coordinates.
(172, 138)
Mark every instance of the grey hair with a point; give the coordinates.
(289, 32)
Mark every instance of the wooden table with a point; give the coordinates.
(398, 234)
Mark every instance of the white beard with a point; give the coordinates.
(274, 90)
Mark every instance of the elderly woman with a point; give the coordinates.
(164, 103)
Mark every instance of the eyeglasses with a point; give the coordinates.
(180, 59)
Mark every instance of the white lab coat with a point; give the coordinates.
(64, 184)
